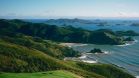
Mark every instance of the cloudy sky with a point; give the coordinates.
(68, 8)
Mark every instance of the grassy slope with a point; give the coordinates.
(19, 57)
(16, 58)
(50, 74)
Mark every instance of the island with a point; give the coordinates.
(96, 50)
(62, 21)
(127, 33)
(135, 24)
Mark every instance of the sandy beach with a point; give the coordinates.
(72, 44)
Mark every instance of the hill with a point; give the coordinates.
(59, 34)
(19, 56)
(68, 21)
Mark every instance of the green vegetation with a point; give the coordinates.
(18, 57)
(46, 46)
(29, 52)
(59, 34)
(106, 70)
(49, 74)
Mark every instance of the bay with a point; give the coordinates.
(123, 56)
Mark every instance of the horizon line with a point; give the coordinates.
(67, 17)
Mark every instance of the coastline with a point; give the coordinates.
(84, 56)
(128, 43)
(82, 44)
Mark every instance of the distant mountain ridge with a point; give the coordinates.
(68, 21)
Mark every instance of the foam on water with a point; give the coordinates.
(89, 61)
(83, 56)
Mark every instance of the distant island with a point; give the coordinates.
(135, 24)
(127, 33)
(68, 21)
(76, 21)
(93, 22)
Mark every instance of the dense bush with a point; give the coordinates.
(45, 46)
(105, 70)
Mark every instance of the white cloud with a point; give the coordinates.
(127, 14)
(122, 14)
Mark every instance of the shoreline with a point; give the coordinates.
(83, 57)
(72, 44)
(128, 43)
(82, 44)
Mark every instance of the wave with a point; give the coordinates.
(104, 52)
(90, 61)
(83, 56)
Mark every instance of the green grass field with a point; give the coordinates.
(50, 74)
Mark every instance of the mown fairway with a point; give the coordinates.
(50, 74)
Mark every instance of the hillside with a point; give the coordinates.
(59, 34)
(19, 57)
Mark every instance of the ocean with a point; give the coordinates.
(123, 56)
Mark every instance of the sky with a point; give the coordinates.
(68, 8)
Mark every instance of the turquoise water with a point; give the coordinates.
(123, 56)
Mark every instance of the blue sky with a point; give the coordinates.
(68, 8)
